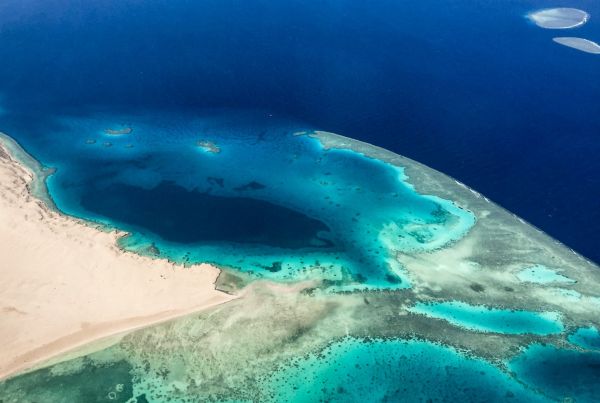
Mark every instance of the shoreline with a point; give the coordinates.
(38, 188)
(67, 284)
(96, 337)
(40, 173)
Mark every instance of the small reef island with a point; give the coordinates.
(351, 274)
(559, 18)
(584, 45)
(208, 146)
(119, 132)
(565, 18)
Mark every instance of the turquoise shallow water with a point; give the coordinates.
(349, 370)
(588, 338)
(484, 319)
(542, 275)
(269, 202)
(394, 371)
(91, 384)
(562, 374)
(337, 215)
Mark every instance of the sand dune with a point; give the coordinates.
(64, 284)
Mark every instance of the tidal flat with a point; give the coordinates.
(559, 18)
(328, 315)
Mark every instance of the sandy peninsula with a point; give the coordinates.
(119, 132)
(65, 284)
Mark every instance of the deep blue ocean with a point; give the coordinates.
(471, 88)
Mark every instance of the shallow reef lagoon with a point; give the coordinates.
(350, 370)
(269, 200)
(561, 371)
(379, 371)
(542, 275)
(588, 338)
(484, 319)
(196, 129)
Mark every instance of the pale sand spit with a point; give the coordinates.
(581, 44)
(64, 284)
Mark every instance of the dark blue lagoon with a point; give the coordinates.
(183, 216)
(244, 191)
(564, 374)
(355, 370)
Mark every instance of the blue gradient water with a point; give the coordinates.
(270, 201)
(472, 89)
(588, 338)
(562, 374)
(394, 371)
(542, 275)
(485, 319)
(348, 370)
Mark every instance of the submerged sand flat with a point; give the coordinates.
(559, 18)
(584, 45)
(65, 284)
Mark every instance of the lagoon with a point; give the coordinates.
(485, 319)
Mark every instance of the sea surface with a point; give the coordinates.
(473, 89)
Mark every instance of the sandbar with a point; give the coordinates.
(118, 132)
(581, 44)
(559, 18)
(208, 146)
(66, 283)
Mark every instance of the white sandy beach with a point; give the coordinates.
(64, 284)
